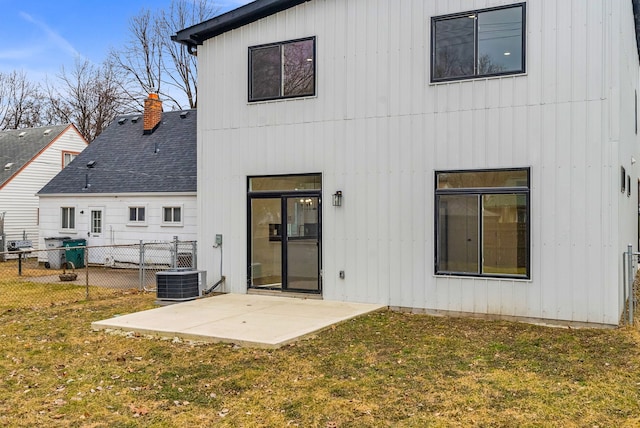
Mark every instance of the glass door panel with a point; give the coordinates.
(458, 245)
(266, 243)
(303, 243)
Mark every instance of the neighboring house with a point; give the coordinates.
(29, 158)
(485, 153)
(136, 181)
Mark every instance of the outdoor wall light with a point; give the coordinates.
(337, 198)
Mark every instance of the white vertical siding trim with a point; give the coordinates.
(377, 130)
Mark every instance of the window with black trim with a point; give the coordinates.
(478, 43)
(482, 223)
(282, 70)
(623, 179)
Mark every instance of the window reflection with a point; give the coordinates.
(478, 43)
(285, 69)
(483, 222)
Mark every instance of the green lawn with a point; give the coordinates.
(384, 369)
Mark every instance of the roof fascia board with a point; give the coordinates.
(636, 20)
(199, 33)
(116, 195)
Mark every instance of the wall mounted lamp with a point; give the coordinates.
(337, 198)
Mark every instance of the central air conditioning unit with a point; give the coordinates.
(178, 284)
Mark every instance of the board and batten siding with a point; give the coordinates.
(18, 196)
(377, 130)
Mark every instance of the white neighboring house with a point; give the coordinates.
(136, 181)
(485, 153)
(29, 158)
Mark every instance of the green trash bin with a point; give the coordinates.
(75, 255)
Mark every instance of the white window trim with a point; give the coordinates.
(75, 219)
(173, 223)
(138, 223)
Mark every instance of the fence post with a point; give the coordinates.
(141, 269)
(86, 270)
(194, 254)
(630, 279)
(175, 252)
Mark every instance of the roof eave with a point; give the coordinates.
(636, 19)
(199, 33)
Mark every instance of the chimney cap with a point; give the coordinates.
(153, 96)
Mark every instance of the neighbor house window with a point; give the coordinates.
(67, 157)
(282, 70)
(477, 43)
(137, 215)
(482, 222)
(172, 215)
(68, 218)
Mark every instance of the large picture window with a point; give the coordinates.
(482, 223)
(282, 70)
(487, 42)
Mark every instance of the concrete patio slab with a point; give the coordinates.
(243, 319)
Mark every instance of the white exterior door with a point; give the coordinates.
(97, 236)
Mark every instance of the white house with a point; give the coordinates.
(29, 158)
(484, 153)
(136, 181)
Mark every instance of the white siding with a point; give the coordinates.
(116, 227)
(377, 130)
(18, 197)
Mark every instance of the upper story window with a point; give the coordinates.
(478, 43)
(282, 70)
(67, 157)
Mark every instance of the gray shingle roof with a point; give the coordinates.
(19, 150)
(126, 161)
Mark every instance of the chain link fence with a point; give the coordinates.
(74, 271)
(631, 264)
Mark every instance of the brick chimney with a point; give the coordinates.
(152, 114)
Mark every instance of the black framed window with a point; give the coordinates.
(482, 223)
(477, 43)
(282, 70)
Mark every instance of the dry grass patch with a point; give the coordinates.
(383, 369)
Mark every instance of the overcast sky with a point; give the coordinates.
(40, 36)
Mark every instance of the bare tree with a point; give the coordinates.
(154, 62)
(89, 96)
(21, 102)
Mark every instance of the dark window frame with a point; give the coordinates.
(481, 191)
(252, 99)
(475, 74)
